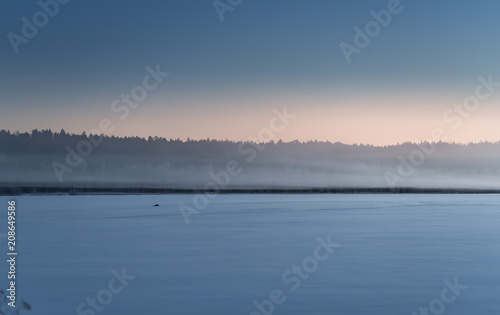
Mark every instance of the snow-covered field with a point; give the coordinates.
(397, 253)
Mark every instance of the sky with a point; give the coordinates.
(225, 76)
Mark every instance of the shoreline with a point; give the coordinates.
(51, 190)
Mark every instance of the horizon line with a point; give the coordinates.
(272, 141)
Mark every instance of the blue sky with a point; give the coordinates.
(262, 54)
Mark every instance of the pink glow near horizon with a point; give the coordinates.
(383, 122)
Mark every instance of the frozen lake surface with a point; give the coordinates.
(397, 253)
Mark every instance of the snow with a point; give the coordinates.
(396, 252)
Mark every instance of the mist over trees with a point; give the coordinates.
(53, 159)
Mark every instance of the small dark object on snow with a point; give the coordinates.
(26, 305)
(156, 205)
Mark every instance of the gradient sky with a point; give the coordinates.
(227, 76)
